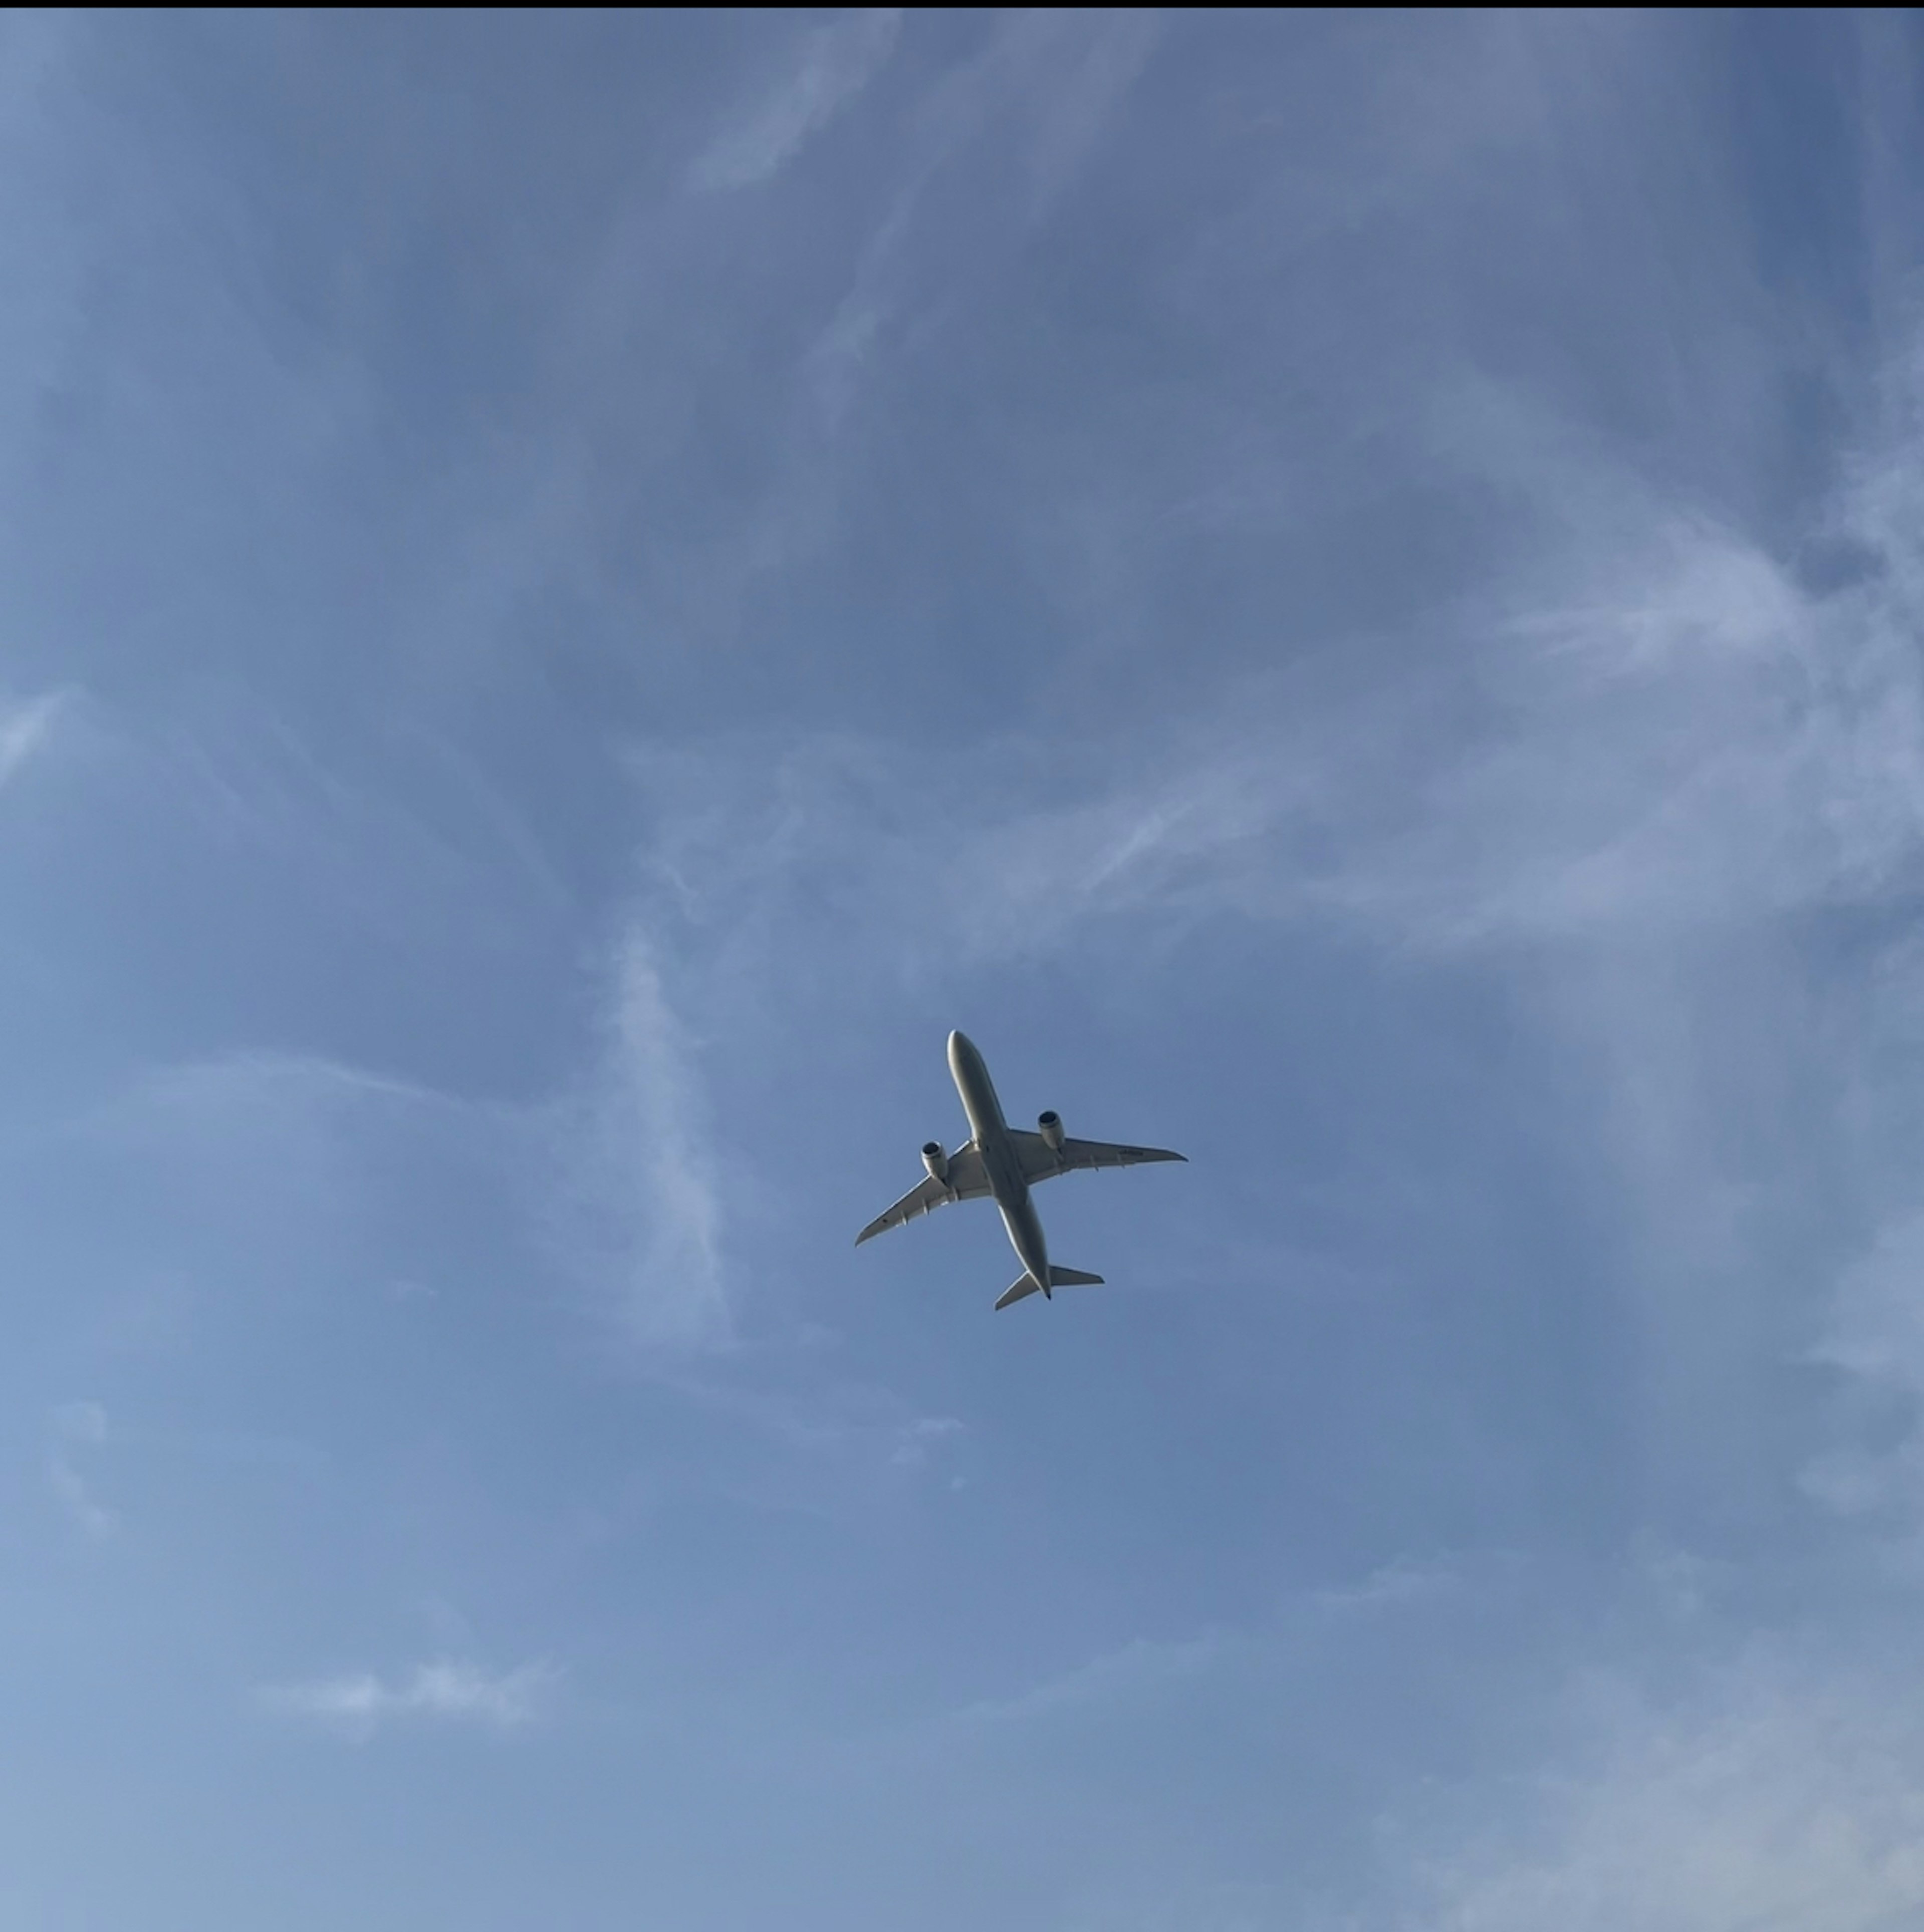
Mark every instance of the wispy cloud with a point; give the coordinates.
(638, 1211)
(1774, 1801)
(617, 1177)
(80, 1422)
(1047, 84)
(1875, 1337)
(76, 1426)
(269, 1176)
(299, 1126)
(25, 726)
(1402, 1581)
(1148, 1667)
(1655, 727)
(1711, 745)
(70, 1491)
(835, 62)
(1105, 54)
(255, 1082)
(917, 1438)
(1143, 1668)
(361, 1703)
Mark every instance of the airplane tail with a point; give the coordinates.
(1058, 1277)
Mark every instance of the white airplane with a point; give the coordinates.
(1004, 1162)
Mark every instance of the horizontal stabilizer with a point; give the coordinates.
(1058, 1277)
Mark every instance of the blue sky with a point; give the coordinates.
(1343, 593)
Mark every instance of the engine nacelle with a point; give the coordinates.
(935, 1161)
(1049, 1126)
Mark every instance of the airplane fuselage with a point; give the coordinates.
(1007, 1184)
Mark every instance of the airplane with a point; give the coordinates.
(1003, 1163)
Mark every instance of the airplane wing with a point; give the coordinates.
(967, 1180)
(1041, 1161)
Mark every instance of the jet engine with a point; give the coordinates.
(1049, 1126)
(935, 1161)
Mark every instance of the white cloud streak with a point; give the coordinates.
(81, 1422)
(619, 1177)
(359, 1704)
(1047, 84)
(255, 1136)
(1777, 1805)
(75, 1426)
(1653, 727)
(258, 1082)
(918, 1438)
(1142, 1668)
(639, 1209)
(1706, 743)
(1875, 1338)
(25, 726)
(1395, 1585)
(70, 1491)
(837, 62)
